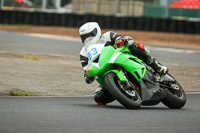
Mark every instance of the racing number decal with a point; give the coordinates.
(93, 51)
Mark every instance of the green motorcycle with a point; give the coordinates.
(129, 80)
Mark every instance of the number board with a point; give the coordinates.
(94, 50)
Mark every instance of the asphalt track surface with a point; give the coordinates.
(17, 42)
(82, 115)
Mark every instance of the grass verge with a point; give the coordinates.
(19, 93)
(30, 57)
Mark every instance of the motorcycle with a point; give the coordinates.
(129, 80)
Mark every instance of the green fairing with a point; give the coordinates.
(129, 62)
(132, 65)
(93, 70)
(107, 53)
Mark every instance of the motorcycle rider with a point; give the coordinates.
(92, 29)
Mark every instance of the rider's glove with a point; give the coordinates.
(88, 80)
(121, 42)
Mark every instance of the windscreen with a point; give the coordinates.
(94, 50)
(100, 41)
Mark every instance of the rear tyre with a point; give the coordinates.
(176, 98)
(113, 84)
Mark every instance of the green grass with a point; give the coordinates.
(30, 57)
(20, 93)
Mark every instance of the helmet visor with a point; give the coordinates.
(90, 34)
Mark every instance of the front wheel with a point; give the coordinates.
(129, 98)
(176, 97)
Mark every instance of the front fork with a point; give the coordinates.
(128, 85)
(126, 82)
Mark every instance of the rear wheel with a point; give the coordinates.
(128, 97)
(176, 97)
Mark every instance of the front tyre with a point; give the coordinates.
(176, 98)
(113, 84)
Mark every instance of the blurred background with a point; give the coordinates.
(182, 16)
(169, 28)
(152, 8)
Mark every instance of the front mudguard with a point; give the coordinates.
(118, 73)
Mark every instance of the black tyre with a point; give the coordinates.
(113, 85)
(176, 98)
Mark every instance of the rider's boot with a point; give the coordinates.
(159, 68)
(138, 50)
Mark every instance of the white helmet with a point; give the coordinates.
(90, 29)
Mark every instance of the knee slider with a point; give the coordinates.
(103, 97)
